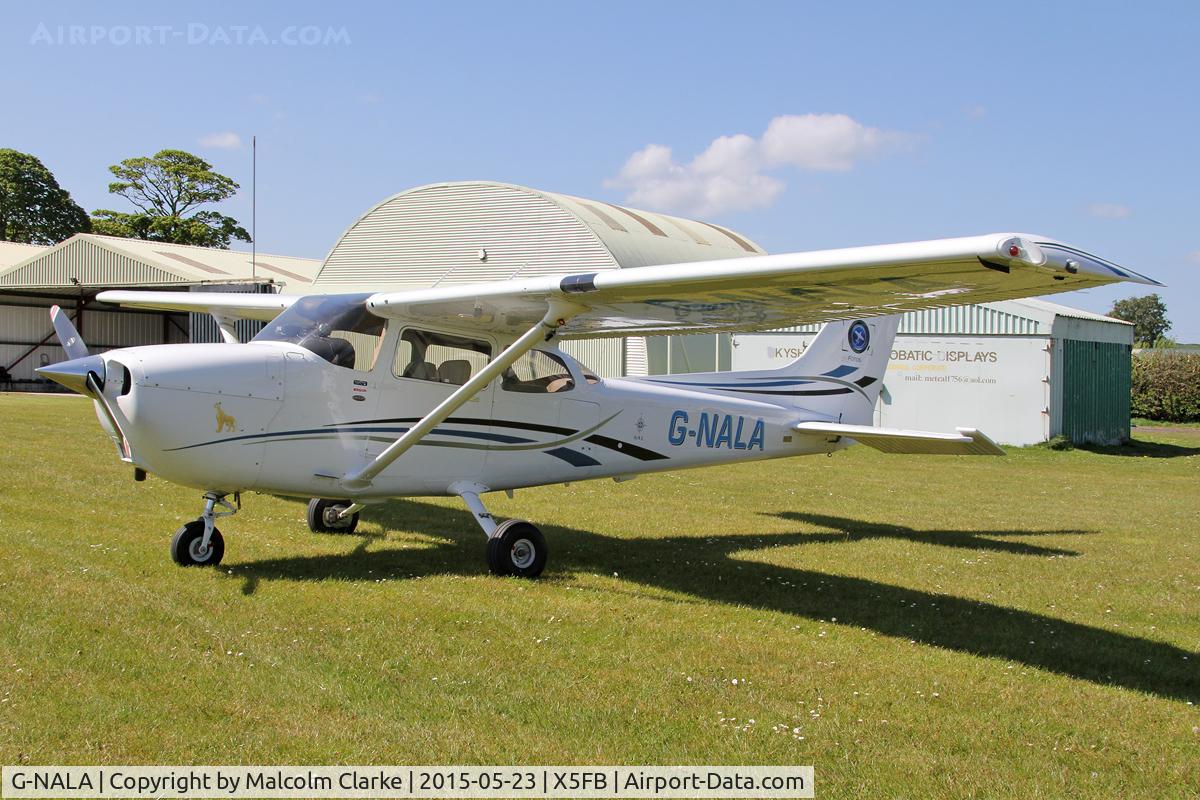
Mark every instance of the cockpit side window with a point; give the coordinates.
(537, 372)
(338, 328)
(439, 357)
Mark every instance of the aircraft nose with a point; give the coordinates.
(73, 374)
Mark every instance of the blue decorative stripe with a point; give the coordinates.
(809, 393)
(742, 385)
(361, 428)
(491, 437)
(775, 387)
(573, 457)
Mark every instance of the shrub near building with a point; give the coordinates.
(1166, 386)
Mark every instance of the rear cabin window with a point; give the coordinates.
(439, 357)
(537, 372)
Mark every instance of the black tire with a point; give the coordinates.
(318, 511)
(185, 547)
(517, 548)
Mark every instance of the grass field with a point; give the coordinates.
(1025, 626)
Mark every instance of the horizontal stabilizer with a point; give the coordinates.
(967, 442)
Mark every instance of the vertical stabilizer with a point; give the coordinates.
(838, 378)
(841, 371)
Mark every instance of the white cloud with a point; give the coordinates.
(724, 177)
(226, 140)
(975, 110)
(823, 141)
(1109, 210)
(731, 173)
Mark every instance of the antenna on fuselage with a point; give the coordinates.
(253, 208)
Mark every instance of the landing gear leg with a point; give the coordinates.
(199, 543)
(514, 547)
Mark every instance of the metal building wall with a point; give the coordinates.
(22, 327)
(604, 356)
(203, 328)
(1000, 384)
(977, 319)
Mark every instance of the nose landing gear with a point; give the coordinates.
(198, 543)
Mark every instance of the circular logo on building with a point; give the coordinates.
(859, 336)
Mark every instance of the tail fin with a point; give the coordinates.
(838, 376)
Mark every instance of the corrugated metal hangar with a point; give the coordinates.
(1025, 371)
(71, 273)
(467, 232)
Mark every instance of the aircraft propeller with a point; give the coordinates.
(82, 373)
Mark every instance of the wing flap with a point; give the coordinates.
(230, 305)
(967, 442)
(765, 292)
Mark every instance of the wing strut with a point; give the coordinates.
(556, 316)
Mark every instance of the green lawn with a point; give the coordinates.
(1025, 626)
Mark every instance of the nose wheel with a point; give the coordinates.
(189, 550)
(199, 543)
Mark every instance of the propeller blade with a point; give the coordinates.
(67, 335)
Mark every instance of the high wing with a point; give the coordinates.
(737, 294)
(235, 305)
(765, 292)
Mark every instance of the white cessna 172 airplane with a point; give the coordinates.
(355, 398)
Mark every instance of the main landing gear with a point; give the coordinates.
(199, 543)
(514, 547)
(332, 516)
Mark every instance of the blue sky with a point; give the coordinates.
(892, 121)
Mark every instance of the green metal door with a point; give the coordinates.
(1096, 383)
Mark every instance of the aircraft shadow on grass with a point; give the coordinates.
(1142, 448)
(706, 568)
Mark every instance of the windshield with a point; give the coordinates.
(338, 328)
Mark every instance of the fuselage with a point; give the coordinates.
(276, 417)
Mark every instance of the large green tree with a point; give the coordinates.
(170, 190)
(33, 208)
(1148, 315)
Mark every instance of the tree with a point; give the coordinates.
(1148, 315)
(33, 208)
(169, 191)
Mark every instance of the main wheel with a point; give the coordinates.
(186, 549)
(322, 516)
(517, 548)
